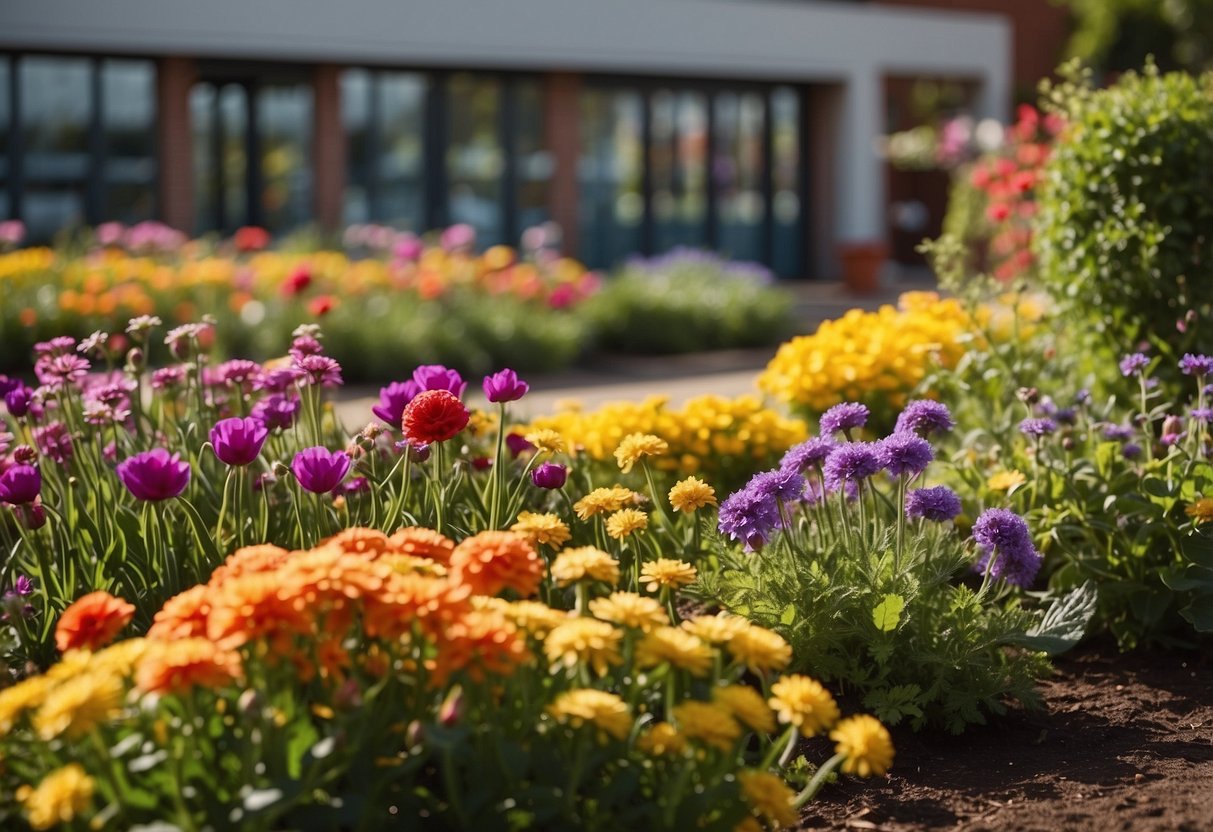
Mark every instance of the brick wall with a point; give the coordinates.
(174, 78)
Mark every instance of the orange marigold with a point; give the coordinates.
(492, 561)
(182, 616)
(358, 541)
(185, 663)
(480, 642)
(92, 621)
(262, 558)
(423, 543)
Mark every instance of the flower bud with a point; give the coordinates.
(135, 360)
(550, 475)
(451, 710)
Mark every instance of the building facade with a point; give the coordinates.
(746, 126)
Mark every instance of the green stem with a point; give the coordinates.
(819, 777)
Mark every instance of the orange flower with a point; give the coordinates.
(182, 616)
(480, 642)
(433, 416)
(92, 622)
(358, 541)
(251, 238)
(492, 561)
(423, 543)
(321, 305)
(185, 663)
(249, 559)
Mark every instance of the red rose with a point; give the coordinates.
(433, 416)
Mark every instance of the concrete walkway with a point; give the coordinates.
(681, 377)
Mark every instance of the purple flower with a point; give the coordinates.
(1203, 414)
(392, 401)
(22, 586)
(7, 384)
(749, 518)
(458, 236)
(1196, 365)
(238, 441)
(320, 470)
(20, 484)
(843, 417)
(904, 453)
(783, 485)
(169, 377)
(812, 452)
(438, 377)
(517, 443)
(925, 417)
(1037, 427)
(154, 475)
(1133, 363)
(54, 441)
(850, 462)
(318, 369)
(938, 503)
(238, 371)
(278, 380)
(1119, 433)
(1082, 397)
(504, 386)
(18, 400)
(303, 346)
(60, 345)
(550, 475)
(1131, 450)
(60, 370)
(358, 485)
(276, 411)
(1006, 544)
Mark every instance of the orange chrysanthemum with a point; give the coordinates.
(357, 541)
(433, 416)
(423, 543)
(182, 616)
(185, 663)
(263, 558)
(479, 642)
(92, 622)
(492, 561)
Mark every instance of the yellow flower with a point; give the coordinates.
(865, 743)
(62, 794)
(747, 705)
(1005, 481)
(603, 501)
(605, 711)
(121, 657)
(667, 573)
(715, 629)
(1200, 511)
(749, 824)
(707, 723)
(692, 494)
(630, 610)
(760, 649)
(584, 640)
(21, 697)
(546, 441)
(660, 740)
(626, 521)
(769, 796)
(636, 446)
(75, 706)
(803, 702)
(678, 647)
(547, 529)
(533, 617)
(582, 563)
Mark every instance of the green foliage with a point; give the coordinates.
(1123, 230)
(1121, 34)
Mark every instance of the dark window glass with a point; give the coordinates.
(678, 156)
(474, 157)
(356, 120)
(534, 161)
(56, 111)
(402, 149)
(610, 171)
(786, 177)
(284, 122)
(128, 121)
(737, 175)
(5, 122)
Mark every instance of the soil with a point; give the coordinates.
(1124, 744)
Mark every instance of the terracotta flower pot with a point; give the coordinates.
(861, 264)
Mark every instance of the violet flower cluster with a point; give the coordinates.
(1006, 545)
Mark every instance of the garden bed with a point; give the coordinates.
(1125, 743)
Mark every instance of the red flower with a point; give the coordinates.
(321, 305)
(251, 238)
(433, 416)
(92, 622)
(297, 281)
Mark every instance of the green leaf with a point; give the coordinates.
(788, 616)
(1063, 623)
(887, 613)
(1200, 613)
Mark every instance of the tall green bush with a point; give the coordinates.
(1125, 224)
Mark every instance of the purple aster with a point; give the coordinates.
(504, 386)
(61, 345)
(782, 485)
(154, 475)
(749, 518)
(938, 503)
(438, 377)
(392, 401)
(1082, 397)
(319, 470)
(1119, 433)
(54, 441)
(114, 393)
(168, 377)
(276, 411)
(102, 414)
(1006, 545)
(61, 370)
(1037, 427)
(1066, 416)
(810, 453)
(843, 417)
(318, 369)
(238, 371)
(904, 453)
(1196, 365)
(303, 346)
(1203, 414)
(278, 380)
(1133, 363)
(1131, 450)
(925, 417)
(850, 462)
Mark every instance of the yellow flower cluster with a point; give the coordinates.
(698, 437)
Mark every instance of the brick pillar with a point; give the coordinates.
(175, 141)
(328, 148)
(562, 134)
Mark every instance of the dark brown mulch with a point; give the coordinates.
(1125, 742)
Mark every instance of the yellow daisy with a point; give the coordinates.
(625, 522)
(636, 446)
(666, 573)
(865, 743)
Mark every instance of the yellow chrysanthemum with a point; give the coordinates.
(77, 705)
(625, 522)
(715, 629)
(707, 723)
(535, 618)
(636, 446)
(760, 649)
(667, 573)
(584, 641)
(121, 657)
(546, 529)
(1200, 511)
(546, 441)
(865, 743)
(803, 702)
(628, 609)
(605, 711)
(769, 797)
(678, 647)
(661, 740)
(21, 697)
(481, 423)
(1005, 480)
(747, 705)
(603, 501)
(60, 797)
(692, 494)
(584, 563)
